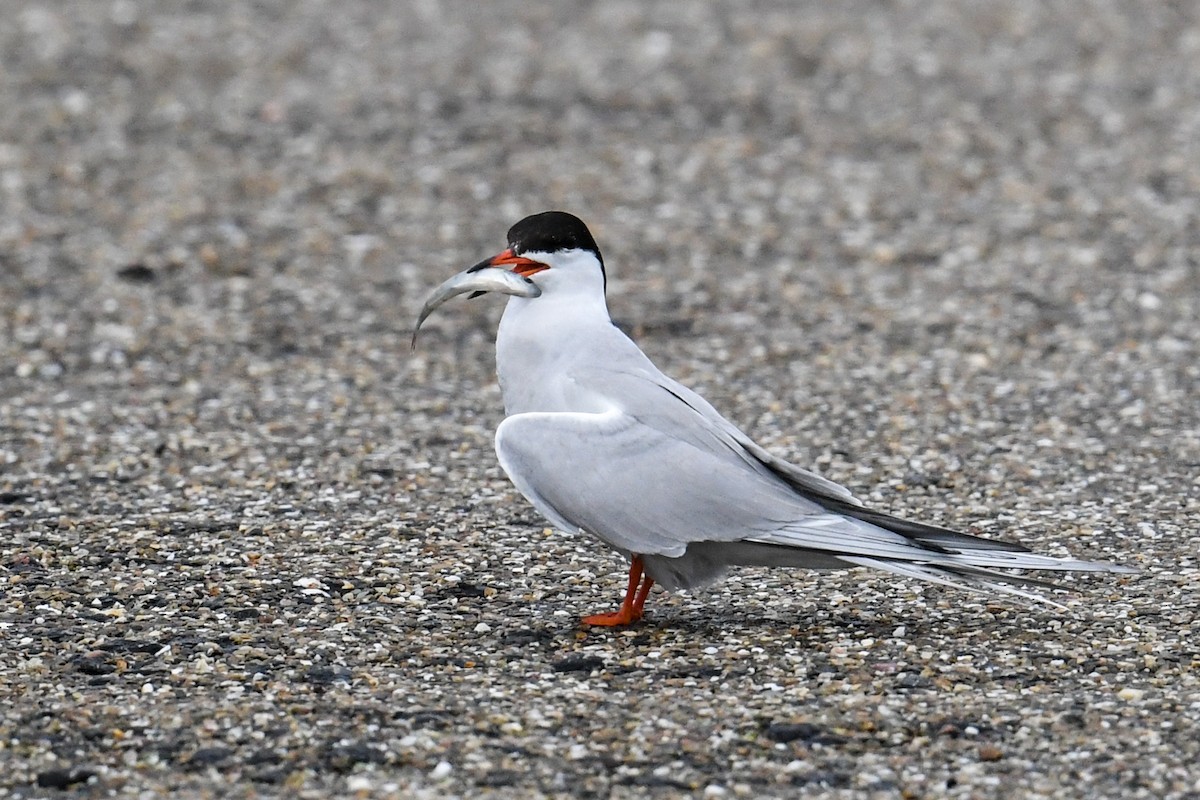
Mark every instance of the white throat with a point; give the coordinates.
(541, 338)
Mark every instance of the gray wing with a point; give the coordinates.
(661, 470)
(669, 406)
(675, 409)
(643, 490)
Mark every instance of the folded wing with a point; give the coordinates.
(660, 471)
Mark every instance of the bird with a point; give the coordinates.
(600, 441)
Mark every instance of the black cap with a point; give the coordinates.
(551, 231)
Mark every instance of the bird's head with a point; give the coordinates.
(550, 252)
(552, 240)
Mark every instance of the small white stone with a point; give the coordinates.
(442, 770)
(715, 790)
(358, 783)
(483, 627)
(76, 102)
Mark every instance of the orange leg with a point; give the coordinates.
(635, 599)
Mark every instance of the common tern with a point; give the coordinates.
(601, 442)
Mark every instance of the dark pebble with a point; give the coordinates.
(95, 664)
(578, 664)
(208, 756)
(802, 731)
(327, 675)
(136, 273)
(64, 778)
(344, 757)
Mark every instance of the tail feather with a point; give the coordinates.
(925, 552)
(933, 537)
(980, 581)
(1005, 560)
(939, 555)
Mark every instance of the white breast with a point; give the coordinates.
(541, 339)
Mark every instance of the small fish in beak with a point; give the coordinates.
(487, 279)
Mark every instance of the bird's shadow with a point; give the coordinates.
(830, 625)
(810, 626)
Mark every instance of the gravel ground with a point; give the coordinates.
(250, 546)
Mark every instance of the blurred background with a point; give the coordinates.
(190, 188)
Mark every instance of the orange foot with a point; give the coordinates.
(614, 619)
(635, 599)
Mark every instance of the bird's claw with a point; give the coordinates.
(615, 619)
